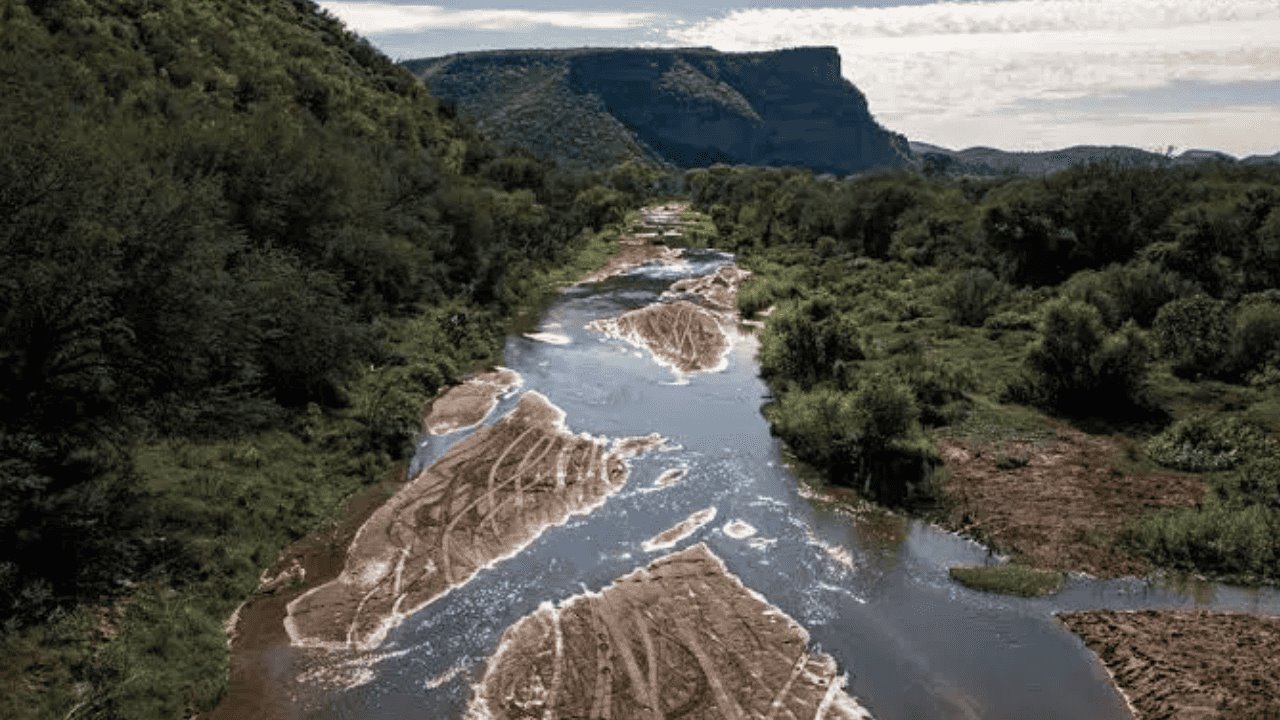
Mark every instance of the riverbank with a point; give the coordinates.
(321, 558)
(1076, 494)
(269, 513)
(1188, 665)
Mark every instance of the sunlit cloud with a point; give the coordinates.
(964, 73)
(371, 18)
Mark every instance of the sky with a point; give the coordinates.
(1012, 74)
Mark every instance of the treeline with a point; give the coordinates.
(225, 219)
(1103, 293)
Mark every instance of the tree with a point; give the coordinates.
(1077, 367)
(1193, 334)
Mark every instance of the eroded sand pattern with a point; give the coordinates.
(681, 638)
(669, 537)
(468, 404)
(1178, 664)
(718, 290)
(680, 334)
(489, 496)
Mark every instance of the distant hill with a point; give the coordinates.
(682, 107)
(1261, 159)
(990, 161)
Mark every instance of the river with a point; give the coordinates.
(871, 587)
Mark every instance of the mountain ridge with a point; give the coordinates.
(683, 107)
(984, 160)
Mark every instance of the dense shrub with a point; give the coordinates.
(972, 296)
(807, 340)
(840, 431)
(1255, 338)
(1193, 334)
(1204, 444)
(1235, 542)
(1077, 366)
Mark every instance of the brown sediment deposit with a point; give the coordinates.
(718, 291)
(1187, 664)
(680, 638)
(681, 530)
(489, 496)
(1061, 504)
(467, 404)
(739, 530)
(682, 335)
(633, 251)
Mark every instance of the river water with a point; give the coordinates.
(872, 589)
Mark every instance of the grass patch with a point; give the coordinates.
(1012, 579)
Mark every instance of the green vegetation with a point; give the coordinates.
(1010, 579)
(1131, 300)
(240, 249)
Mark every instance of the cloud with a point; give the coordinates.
(370, 18)
(964, 73)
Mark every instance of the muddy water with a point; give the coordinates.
(873, 591)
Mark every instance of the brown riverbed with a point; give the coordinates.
(1188, 665)
(467, 404)
(718, 291)
(489, 495)
(686, 336)
(680, 638)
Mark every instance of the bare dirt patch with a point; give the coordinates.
(681, 638)
(469, 403)
(687, 337)
(489, 496)
(1058, 503)
(1188, 665)
(718, 291)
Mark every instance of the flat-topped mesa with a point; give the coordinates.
(687, 107)
(681, 637)
(488, 497)
(680, 334)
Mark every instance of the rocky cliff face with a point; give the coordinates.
(689, 107)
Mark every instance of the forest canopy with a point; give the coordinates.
(239, 247)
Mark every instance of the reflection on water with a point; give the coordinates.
(871, 586)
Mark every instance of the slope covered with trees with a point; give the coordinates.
(1138, 303)
(689, 107)
(239, 247)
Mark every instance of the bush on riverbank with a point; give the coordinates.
(1121, 298)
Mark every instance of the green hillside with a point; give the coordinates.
(240, 247)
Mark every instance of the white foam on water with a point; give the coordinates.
(551, 338)
(738, 529)
(446, 676)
